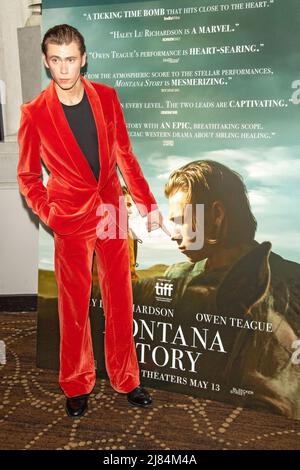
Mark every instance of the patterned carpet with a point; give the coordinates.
(32, 412)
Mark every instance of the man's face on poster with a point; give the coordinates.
(129, 204)
(190, 240)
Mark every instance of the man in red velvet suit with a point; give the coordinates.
(77, 128)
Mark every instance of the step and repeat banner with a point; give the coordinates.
(210, 91)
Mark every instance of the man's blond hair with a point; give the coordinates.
(207, 181)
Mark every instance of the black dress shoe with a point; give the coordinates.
(139, 397)
(77, 406)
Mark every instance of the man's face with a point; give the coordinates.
(190, 243)
(64, 63)
(128, 203)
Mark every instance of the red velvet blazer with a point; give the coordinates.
(72, 188)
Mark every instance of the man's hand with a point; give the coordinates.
(155, 221)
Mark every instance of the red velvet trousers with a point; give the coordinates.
(73, 259)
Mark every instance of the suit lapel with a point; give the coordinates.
(67, 137)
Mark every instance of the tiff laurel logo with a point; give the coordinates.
(2, 353)
(163, 289)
